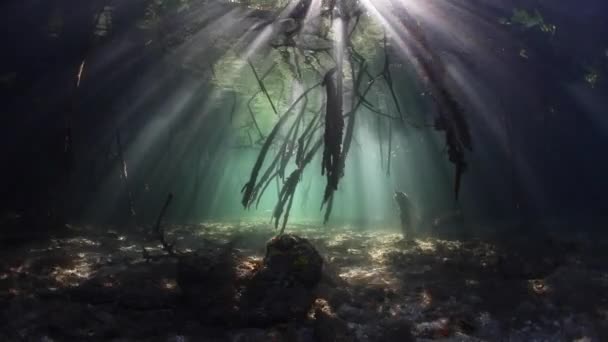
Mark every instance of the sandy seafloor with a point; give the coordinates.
(92, 283)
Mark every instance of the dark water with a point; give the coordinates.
(110, 106)
(529, 75)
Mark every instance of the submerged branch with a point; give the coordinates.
(233, 108)
(334, 128)
(159, 231)
(252, 114)
(386, 73)
(263, 87)
(289, 143)
(451, 117)
(289, 188)
(336, 135)
(328, 210)
(250, 186)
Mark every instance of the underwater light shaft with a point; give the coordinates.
(195, 110)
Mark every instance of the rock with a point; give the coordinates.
(233, 289)
(294, 258)
(283, 289)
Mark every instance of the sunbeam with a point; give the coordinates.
(303, 170)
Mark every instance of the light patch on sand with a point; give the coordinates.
(83, 241)
(427, 246)
(338, 240)
(378, 254)
(130, 248)
(79, 270)
(168, 284)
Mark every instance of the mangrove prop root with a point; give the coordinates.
(263, 87)
(330, 206)
(248, 189)
(251, 113)
(290, 186)
(284, 155)
(451, 117)
(330, 130)
(334, 128)
(160, 233)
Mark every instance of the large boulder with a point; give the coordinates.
(283, 289)
(236, 290)
(293, 259)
